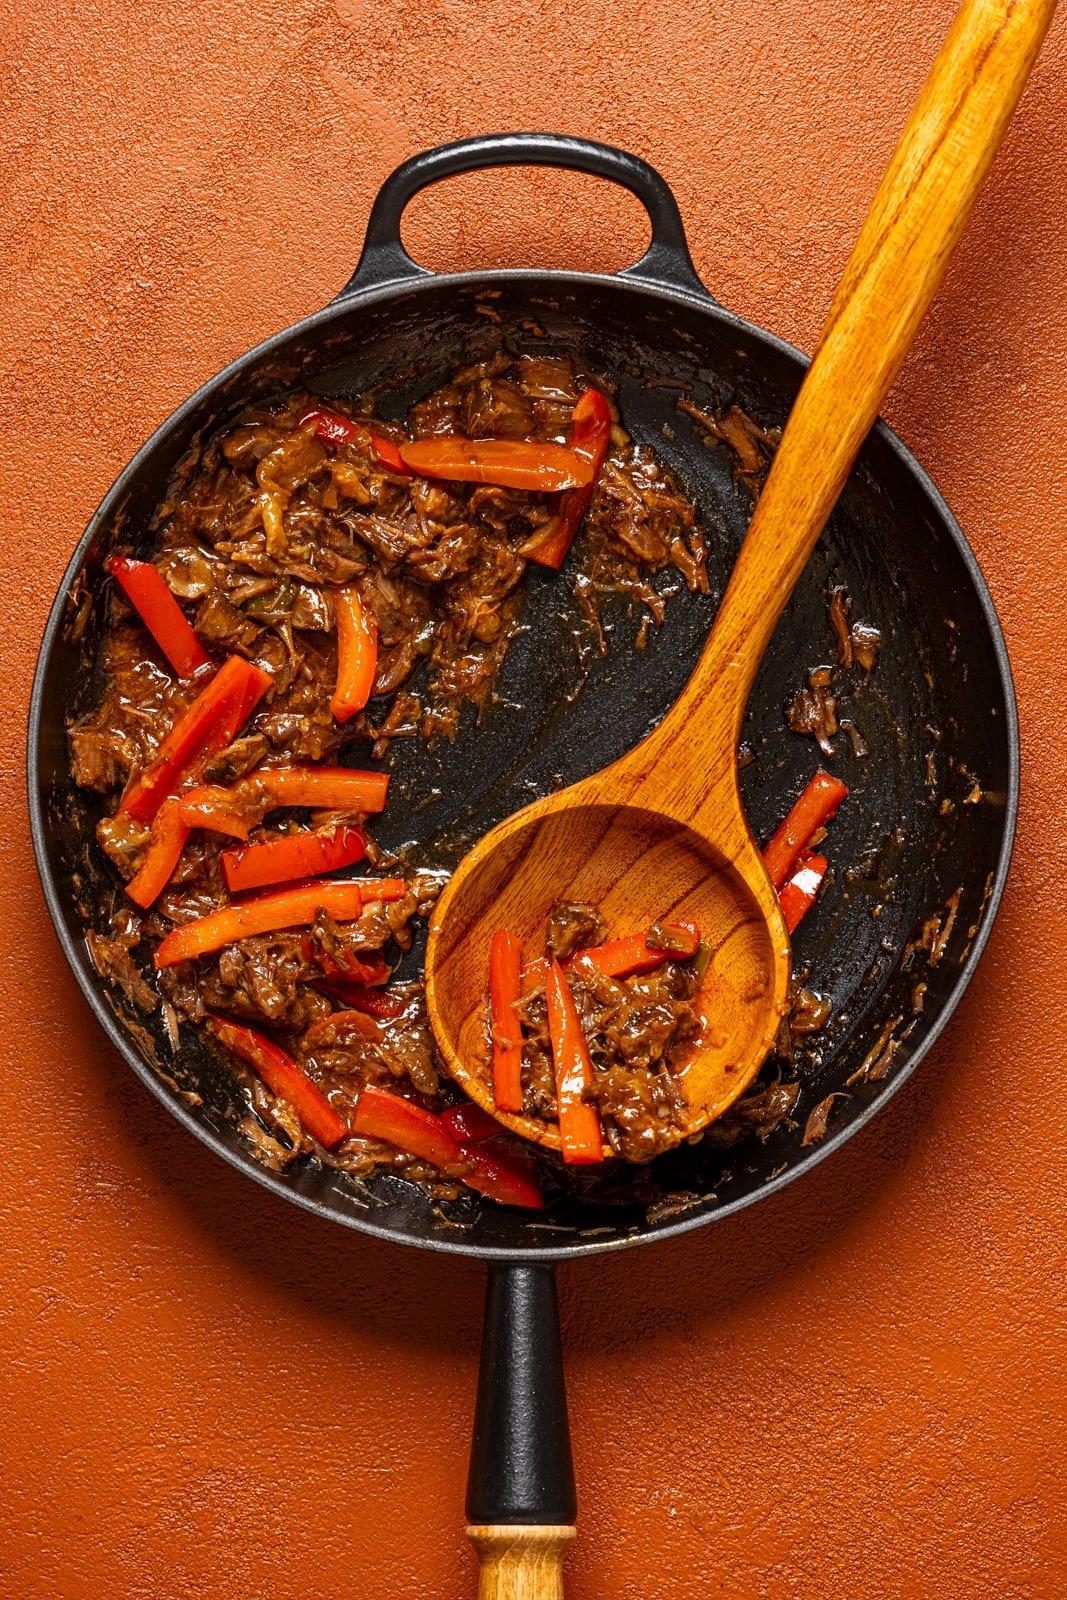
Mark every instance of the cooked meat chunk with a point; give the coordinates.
(814, 711)
(571, 928)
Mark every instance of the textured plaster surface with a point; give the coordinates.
(857, 1389)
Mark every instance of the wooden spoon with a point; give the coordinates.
(662, 834)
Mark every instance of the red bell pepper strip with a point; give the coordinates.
(205, 807)
(619, 958)
(169, 834)
(504, 1178)
(291, 855)
(341, 1027)
(580, 1136)
(534, 974)
(797, 894)
(505, 959)
(474, 1127)
(510, 463)
(331, 427)
(624, 958)
(387, 454)
(254, 689)
(508, 1179)
(343, 898)
(351, 972)
(591, 436)
(806, 816)
(329, 788)
(266, 789)
(469, 1124)
(357, 654)
(387, 1007)
(146, 589)
(284, 1078)
(206, 726)
(381, 1115)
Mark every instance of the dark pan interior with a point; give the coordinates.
(931, 806)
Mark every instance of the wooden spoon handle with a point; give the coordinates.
(899, 259)
(521, 1563)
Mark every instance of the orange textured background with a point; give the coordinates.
(858, 1388)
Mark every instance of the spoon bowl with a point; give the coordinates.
(638, 866)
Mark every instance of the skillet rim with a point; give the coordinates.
(92, 986)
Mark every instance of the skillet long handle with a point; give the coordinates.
(521, 1502)
(899, 259)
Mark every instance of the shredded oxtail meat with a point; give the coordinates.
(317, 583)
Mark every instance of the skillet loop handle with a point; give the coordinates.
(665, 264)
(521, 1502)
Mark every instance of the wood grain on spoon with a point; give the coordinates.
(662, 834)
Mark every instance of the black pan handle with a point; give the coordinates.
(521, 1503)
(666, 262)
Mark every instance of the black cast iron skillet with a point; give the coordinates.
(932, 808)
